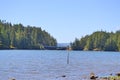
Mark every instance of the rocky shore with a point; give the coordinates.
(94, 77)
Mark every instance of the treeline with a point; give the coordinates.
(20, 37)
(99, 41)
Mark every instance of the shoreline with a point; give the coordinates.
(110, 77)
(58, 50)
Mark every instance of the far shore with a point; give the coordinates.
(53, 49)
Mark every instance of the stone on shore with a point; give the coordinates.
(93, 76)
(118, 74)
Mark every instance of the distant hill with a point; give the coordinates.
(98, 41)
(18, 36)
(63, 44)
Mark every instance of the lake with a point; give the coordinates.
(52, 64)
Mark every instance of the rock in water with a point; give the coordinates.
(63, 75)
(93, 76)
(12, 79)
(118, 74)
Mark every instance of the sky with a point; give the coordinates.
(65, 20)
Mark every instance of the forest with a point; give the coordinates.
(17, 36)
(98, 41)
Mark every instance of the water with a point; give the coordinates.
(52, 65)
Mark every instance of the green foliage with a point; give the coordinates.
(110, 45)
(99, 40)
(76, 45)
(21, 37)
(114, 77)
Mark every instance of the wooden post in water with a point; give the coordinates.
(68, 57)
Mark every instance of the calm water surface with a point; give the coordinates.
(51, 65)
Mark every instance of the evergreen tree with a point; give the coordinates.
(21, 37)
(99, 40)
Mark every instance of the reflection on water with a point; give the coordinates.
(52, 65)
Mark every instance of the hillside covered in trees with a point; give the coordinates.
(100, 41)
(20, 37)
